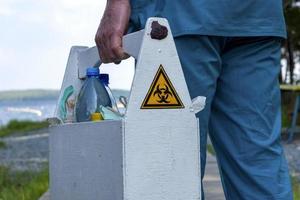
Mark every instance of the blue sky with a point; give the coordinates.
(36, 36)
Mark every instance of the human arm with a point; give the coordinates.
(112, 27)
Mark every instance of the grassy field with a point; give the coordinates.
(25, 185)
(2, 145)
(16, 126)
(22, 185)
(285, 121)
(296, 188)
(210, 149)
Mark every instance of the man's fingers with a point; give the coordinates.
(102, 48)
(124, 57)
(116, 47)
(111, 29)
(98, 44)
(103, 55)
(110, 48)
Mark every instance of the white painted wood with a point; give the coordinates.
(70, 76)
(86, 161)
(132, 43)
(161, 145)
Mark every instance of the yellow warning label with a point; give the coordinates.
(162, 94)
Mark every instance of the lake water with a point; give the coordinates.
(32, 109)
(36, 109)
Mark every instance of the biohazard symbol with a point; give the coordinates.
(162, 94)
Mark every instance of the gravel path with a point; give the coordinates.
(25, 152)
(29, 151)
(292, 152)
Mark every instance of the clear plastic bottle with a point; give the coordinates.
(91, 97)
(105, 80)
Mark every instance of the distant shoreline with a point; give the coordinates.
(40, 94)
(28, 94)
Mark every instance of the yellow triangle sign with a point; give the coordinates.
(162, 94)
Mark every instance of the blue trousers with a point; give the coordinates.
(239, 77)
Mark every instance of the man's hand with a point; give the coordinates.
(111, 30)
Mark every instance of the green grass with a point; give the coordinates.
(296, 188)
(2, 145)
(15, 126)
(284, 116)
(22, 185)
(210, 149)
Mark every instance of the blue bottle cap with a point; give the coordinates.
(104, 78)
(92, 71)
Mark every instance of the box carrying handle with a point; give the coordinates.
(90, 57)
(156, 36)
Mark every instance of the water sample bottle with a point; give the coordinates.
(91, 97)
(105, 80)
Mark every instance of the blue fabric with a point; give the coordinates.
(213, 17)
(239, 77)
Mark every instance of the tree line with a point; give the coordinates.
(291, 46)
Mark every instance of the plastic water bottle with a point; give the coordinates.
(92, 96)
(105, 80)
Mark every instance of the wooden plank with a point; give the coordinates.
(295, 88)
(86, 161)
(161, 145)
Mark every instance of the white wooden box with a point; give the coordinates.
(151, 154)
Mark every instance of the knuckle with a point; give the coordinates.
(106, 34)
(109, 60)
(115, 48)
(118, 54)
(118, 32)
(98, 40)
(100, 35)
(97, 37)
(104, 60)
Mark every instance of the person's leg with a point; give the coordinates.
(201, 64)
(245, 123)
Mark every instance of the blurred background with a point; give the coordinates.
(35, 40)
